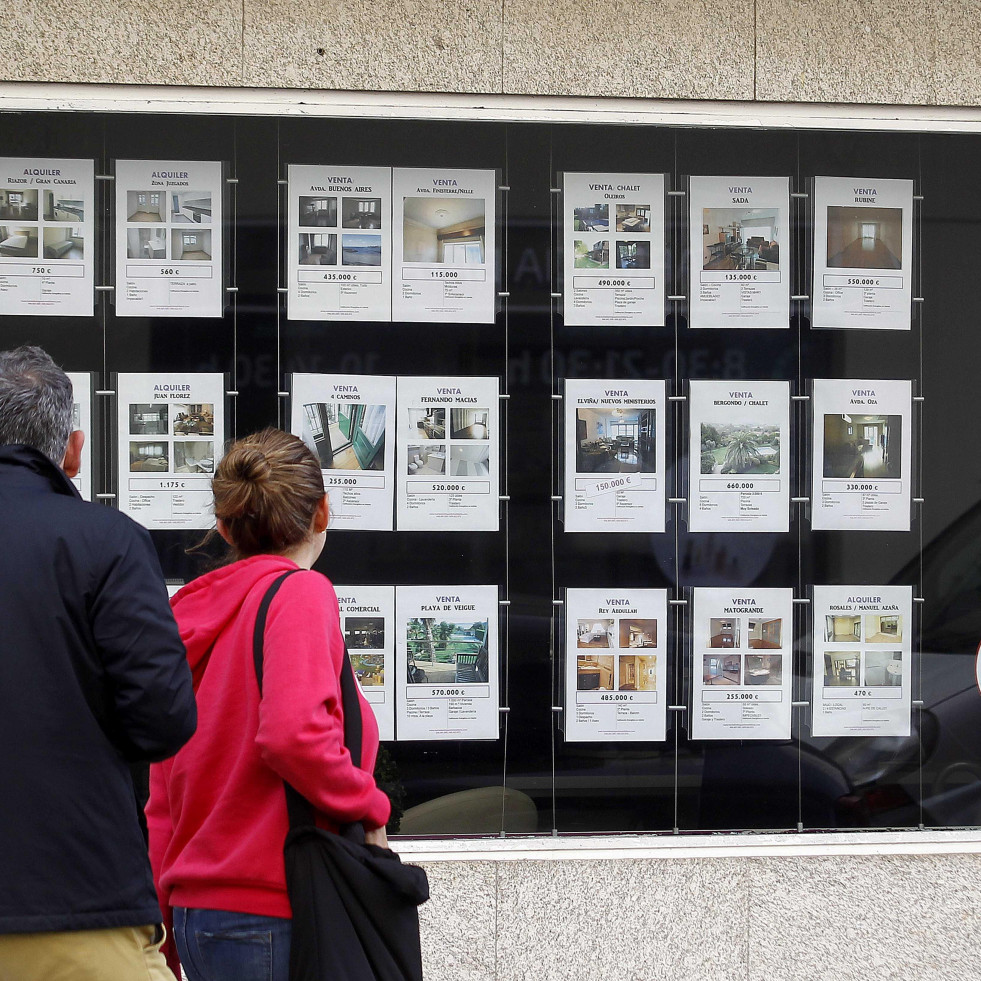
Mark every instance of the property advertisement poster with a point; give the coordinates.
(740, 252)
(170, 429)
(82, 419)
(444, 246)
(368, 625)
(613, 247)
(740, 456)
(448, 454)
(616, 665)
(169, 238)
(339, 245)
(446, 662)
(863, 253)
(862, 660)
(47, 237)
(743, 641)
(614, 455)
(348, 422)
(862, 473)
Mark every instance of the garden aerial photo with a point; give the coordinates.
(740, 448)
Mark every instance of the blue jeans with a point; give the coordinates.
(218, 946)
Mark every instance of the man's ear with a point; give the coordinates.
(72, 461)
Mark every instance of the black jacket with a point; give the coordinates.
(92, 677)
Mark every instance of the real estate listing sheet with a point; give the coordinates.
(742, 643)
(444, 249)
(863, 253)
(862, 454)
(47, 237)
(448, 451)
(170, 430)
(446, 662)
(863, 650)
(339, 244)
(613, 250)
(739, 252)
(348, 422)
(739, 441)
(614, 455)
(82, 419)
(169, 238)
(616, 665)
(368, 626)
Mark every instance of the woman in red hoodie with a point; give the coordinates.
(217, 810)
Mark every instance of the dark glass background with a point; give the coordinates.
(932, 778)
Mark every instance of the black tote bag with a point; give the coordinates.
(355, 906)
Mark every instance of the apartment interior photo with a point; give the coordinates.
(426, 461)
(764, 669)
(318, 249)
(190, 246)
(195, 419)
(469, 423)
(765, 634)
(724, 632)
(841, 669)
(862, 446)
(633, 255)
(470, 460)
(318, 212)
(63, 243)
(194, 456)
(720, 669)
(18, 205)
(595, 633)
(591, 254)
(148, 419)
(619, 440)
(883, 628)
(146, 457)
(443, 230)
(865, 238)
(594, 672)
(638, 672)
(843, 628)
(427, 423)
(146, 243)
(367, 633)
(345, 435)
(740, 238)
(633, 217)
(17, 241)
(591, 218)
(146, 206)
(883, 669)
(638, 633)
(190, 207)
(58, 208)
(361, 213)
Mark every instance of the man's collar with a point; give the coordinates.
(32, 460)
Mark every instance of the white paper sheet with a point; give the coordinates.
(170, 436)
(169, 238)
(739, 459)
(368, 625)
(862, 454)
(82, 419)
(616, 665)
(739, 252)
(614, 455)
(444, 246)
(340, 243)
(863, 253)
(348, 421)
(862, 660)
(448, 451)
(743, 640)
(447, 662)
(47, 237)
(613, 246)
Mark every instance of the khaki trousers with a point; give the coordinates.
(120, 954)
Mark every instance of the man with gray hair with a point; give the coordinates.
(93, 678)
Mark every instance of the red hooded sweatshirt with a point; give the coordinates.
(217, 811)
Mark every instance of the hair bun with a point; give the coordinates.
(250, 464)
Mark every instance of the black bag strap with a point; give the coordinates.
(301, 811)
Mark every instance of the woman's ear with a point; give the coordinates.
(321, 516)
(223, 531)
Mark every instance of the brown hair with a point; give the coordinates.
(267, 488)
